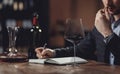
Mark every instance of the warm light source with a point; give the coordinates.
(15, 6)
(21, 6)
(1, 6)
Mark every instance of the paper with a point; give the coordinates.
(59, 61)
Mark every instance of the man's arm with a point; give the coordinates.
(84, 49)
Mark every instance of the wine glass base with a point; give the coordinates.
(71, 67)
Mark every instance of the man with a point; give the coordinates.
(102, 42)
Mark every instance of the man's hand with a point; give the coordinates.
(44, 53)
(103, 22)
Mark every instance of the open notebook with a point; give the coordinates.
(59, 61)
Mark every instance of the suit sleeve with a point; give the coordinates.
(84, 49)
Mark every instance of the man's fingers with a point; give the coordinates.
(107, 13)
(41, 53)
(45, 53)
(38, 55)
(38, 50)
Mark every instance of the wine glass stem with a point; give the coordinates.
(74, 51)
(74, 54)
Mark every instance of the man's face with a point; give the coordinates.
(113, 6)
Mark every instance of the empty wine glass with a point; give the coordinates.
(74, 32)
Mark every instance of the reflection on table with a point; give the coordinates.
(91, 67)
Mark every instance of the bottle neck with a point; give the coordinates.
(35, 21)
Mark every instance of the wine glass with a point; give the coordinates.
(74, 32)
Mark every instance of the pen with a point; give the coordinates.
(44, 47)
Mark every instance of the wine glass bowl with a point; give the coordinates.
(74, 31)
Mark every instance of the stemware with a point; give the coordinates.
(74, 32)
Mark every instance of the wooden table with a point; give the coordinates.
(91, 67)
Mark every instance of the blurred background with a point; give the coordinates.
(52, 16)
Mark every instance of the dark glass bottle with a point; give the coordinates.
(36, 33)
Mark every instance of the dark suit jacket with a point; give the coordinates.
(93, 47)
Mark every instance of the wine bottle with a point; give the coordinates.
(36, 33)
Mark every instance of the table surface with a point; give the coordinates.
(91, 67)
